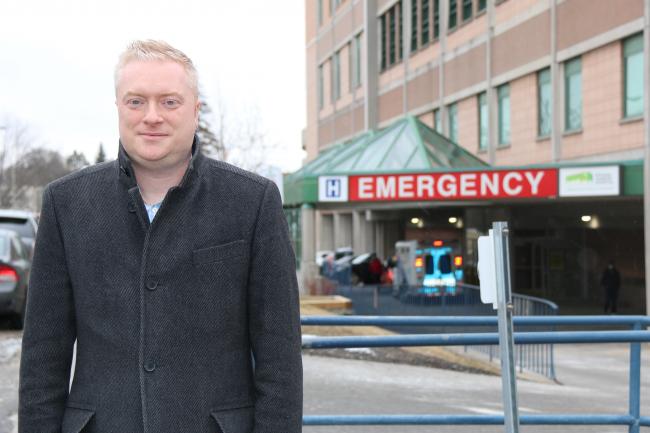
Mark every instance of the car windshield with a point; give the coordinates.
(20, 225)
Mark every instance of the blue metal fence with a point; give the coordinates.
(635, 337)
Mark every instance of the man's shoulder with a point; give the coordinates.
(226, 172)
(94, 174)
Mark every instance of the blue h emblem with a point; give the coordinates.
(333, 188)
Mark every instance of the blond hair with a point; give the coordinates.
(150, 49)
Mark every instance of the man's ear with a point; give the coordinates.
(197, 111)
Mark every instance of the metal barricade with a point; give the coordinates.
(466, 301)
(635, 337)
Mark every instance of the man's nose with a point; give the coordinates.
(152, 115)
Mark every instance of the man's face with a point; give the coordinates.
(158, 113)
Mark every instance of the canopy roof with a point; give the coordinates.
(408, 145)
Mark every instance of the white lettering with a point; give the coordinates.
(489, 181)
(405, 187)
(365, 187)
(386, 187)
(507, 187)
(425, 182)
(468, 184)
(534, 181)
(447, 185)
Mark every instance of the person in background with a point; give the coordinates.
(611, 283)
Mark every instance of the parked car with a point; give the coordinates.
(22, 222)
(14, 276)
(367, 269)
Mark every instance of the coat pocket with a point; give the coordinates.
(75, 419)
(239, 420)
(219, 252)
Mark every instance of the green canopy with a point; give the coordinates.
(408, 145)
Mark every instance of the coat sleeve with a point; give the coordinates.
(274, 321)
(49, 331)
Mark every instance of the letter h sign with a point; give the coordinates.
(333, 188)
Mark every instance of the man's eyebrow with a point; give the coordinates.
(164, 95)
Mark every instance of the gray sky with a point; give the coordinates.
(57, 59)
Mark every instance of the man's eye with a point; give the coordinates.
(171, 103)
(134, 102)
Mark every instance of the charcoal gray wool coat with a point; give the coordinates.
(187, 324)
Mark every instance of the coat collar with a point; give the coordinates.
(127, 176)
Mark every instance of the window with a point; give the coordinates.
(426, 10)
(355, 64)
(544, 103)
(320, 86)
(482, 4)
(436, 19)
(467, 9)
(336, 76)
(452, 112)
(391, 39)
(482, 122)
(437, 121)
(573, 95)
(503, 94)
(320, 12)
(414, 25)
(633, 76)
(453, 13)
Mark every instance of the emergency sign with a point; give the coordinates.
(477, 185)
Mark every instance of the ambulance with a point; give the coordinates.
(428, 268)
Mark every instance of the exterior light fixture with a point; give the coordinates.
(586, 218)
(415, 221)
(453, 220)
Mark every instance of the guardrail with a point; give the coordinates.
(635, 337)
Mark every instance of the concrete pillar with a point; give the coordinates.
(370, 56)
(325, 232)
(342, 229)
(490, 94)
(308, 267)
(362, 233)
(379, 239)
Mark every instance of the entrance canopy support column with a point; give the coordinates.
(308, 267)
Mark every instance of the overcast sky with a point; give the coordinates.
(57, 59)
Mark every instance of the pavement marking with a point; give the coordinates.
(485, 411)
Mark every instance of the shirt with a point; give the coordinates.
(152, 209)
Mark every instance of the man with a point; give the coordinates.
(173, 272)
(611, 282)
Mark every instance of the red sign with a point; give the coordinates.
(474, 185)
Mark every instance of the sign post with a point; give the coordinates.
(494, 274)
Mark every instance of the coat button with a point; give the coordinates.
(152, 285)
(131, 207)
(150, 366)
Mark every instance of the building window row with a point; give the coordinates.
(390, 24)
(424, 16)
(632, 99)
(354, 71)
(425, 22)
